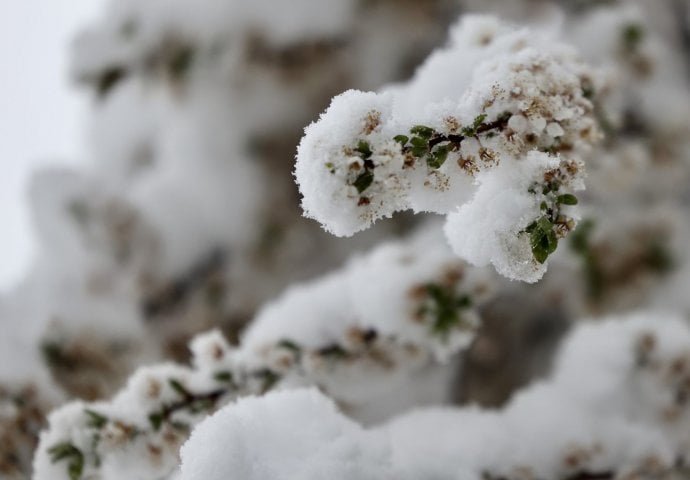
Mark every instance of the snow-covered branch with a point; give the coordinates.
(616, 406)
(359, 333)
(495, 122)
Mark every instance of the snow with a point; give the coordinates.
(562, 426)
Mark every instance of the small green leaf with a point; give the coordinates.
(535, 238)
(633, 34)
(66, 450)
(504, 117)
(269, 377)
(178, 387)
(465, 301)
(223, 376)
(551, 242)
(333, 351)
(419, 151)
(290, 345)
(401, 139)
(96, 420)
(62, 450)
(567, 199)
(156, 420)
(438, 157)
(75, 469)
(181, 61)
(364, 149)
(419, 142)
(478, 120)
(363, 181)
(422, 131)
(540, 253)
(544, 224)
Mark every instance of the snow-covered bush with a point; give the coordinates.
(182, 311)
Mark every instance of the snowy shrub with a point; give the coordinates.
(183, 320)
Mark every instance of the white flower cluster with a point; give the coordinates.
(616, 406)
(495, 122)
(361, 334)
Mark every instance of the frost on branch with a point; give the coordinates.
(615, 407)
(379, 326)
(490, 131)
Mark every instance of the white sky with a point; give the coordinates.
(40, 114)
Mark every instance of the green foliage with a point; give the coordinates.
(444, 308)
(364, 149)
(401, 139)
(75, 457)
(156, 420)
(181, 61)
(364, 180)
(268, 377)
(334, 351)
(96, 420)
(223, 376)
(471, 130)
(290, 345)
(567, 199)
(178, 387)
(632, 35)
(543, 239)
(422, 131)
(437, 157)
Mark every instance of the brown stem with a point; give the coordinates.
(455, 139)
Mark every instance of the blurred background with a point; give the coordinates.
(41, 114)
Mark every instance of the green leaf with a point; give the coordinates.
(544, 224)
(223, 376)
(465, 301)
(62, 450)
(364, 149)
(181, 61)
(156, 420)
(334, 351)
(438, 157)
(422, 131)
(419, 142)
(478, 120)
(567, 199)
(401, 139)
(363, 181)
(178, 387)
(551, 242)
(535, 238)
(96, 420)
(540, 253)
(75, 469)
(633, 34)
(269, 377)
(290, 345)
(419, 151)
(504, 117)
